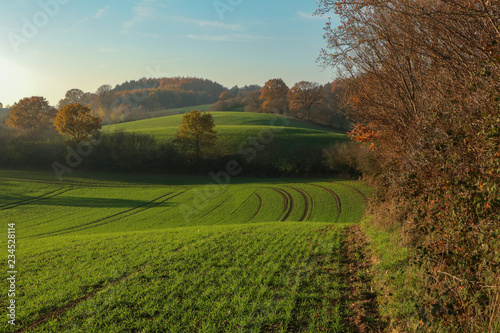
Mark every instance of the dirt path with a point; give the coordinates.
(362, 312)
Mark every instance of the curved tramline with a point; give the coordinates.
(116, 217)
(288, 201)
(258, 209)
(308, 200)
(336, 197)
(31, 200)
(258, 255)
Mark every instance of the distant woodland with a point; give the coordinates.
(143, 98)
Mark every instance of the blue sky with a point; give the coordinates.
(50, 46)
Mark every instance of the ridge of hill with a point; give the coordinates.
(233, 128)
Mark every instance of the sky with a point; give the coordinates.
(48, 47)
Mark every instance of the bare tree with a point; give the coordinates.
(303, 97)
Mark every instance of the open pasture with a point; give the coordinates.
(170, 254)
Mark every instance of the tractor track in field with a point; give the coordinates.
(357, 190)
(31, 200)
(239, 206)
(260, 206)
(213, 209)
(129, 212)
(288, 199)
(57, 312)
(337, 198)
(308, 203)
(75, 183)
(61, 310)
(49, 182)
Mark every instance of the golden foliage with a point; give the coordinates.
(225, 96)
(31, 113)
(274, 94)
(196, 136)
(77, 121)
(426, 80)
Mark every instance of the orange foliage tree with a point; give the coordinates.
(77, 121)
(31, 113)
(274, 96)
(225, 96)
(197, 135)
(304, 96)
(426, 76)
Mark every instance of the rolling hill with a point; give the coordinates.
(234, 127)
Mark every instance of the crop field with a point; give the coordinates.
(110, 253)
(234, 127)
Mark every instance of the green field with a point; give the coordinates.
(233, 128)
(114, 253)
(171, 112)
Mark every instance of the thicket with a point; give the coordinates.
(142, 153)
(425, 93)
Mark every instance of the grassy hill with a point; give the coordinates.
(171, 112)
(234, 127)
(115, 253)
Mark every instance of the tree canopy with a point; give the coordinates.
(274, 96)
(77, 121)
(303, 96)
(31, 113)
(196, 135)
(425, 87)
(76, 96)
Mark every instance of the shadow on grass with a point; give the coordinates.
(95, 202)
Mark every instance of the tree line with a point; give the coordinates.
(424, 90)
(38, 136)
(308, 101)
(138, 99)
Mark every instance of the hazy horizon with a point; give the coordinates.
(51, 46)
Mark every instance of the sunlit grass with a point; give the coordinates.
(117, 254)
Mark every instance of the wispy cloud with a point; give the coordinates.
(207, 23)
(229, 37)
(142, 11)
(101, 12)
(146, 10)
(309, 16)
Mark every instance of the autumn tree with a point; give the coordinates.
(274, 96)
(31, 113)
(252, 101)
(76, 96)
(303, 97)
(196, 136)
(425, 86)
(226, 95)
(104, 101)
(77, 122)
